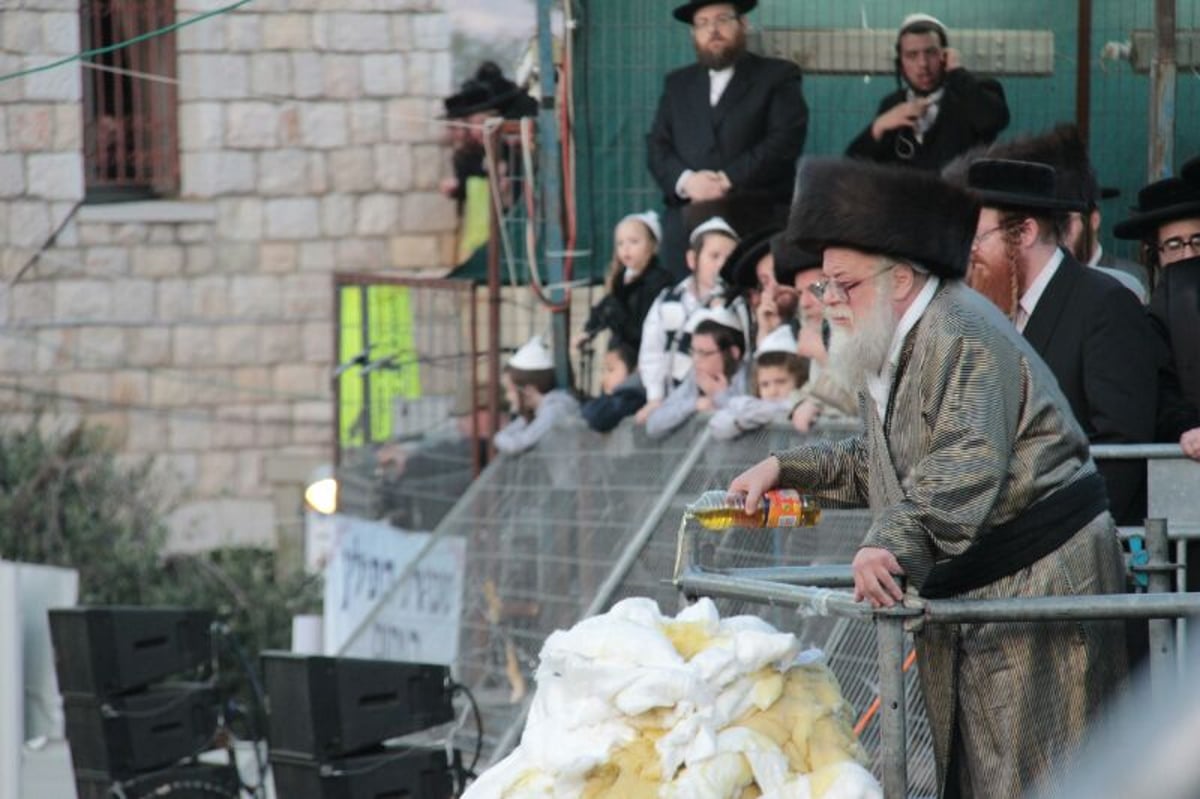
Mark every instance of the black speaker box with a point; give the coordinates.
(324, 707)
(122, 736)
(401, 773)
(184, 781)
(109, 650)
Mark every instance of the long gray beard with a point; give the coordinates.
(855, 356)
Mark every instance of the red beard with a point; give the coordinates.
(997, 283)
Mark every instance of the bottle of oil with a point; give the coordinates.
(782, 507)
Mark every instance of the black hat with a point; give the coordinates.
(1001, 183)
(1159, 203)
(1191, 171)
(685, 12)
(1063, 149)
(739, 273)
(790, 260)
(489, 90)
(904, 213)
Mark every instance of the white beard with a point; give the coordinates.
(855, 355)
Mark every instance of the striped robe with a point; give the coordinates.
(976, 431)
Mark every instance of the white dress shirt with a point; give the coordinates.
(1029, 299)
(880, 386)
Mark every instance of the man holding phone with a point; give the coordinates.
(940, 111)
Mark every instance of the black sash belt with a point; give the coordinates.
(1006, 549)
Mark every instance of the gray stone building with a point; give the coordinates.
(257, 152)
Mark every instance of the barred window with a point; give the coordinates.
(130, 129)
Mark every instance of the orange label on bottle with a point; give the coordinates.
(784, 507)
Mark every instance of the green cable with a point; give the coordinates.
(119, 45)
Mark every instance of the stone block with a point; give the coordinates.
(93, 386)
(283, 172)
(288, 32)
(147, 346)
(394, 166)
(212, 173)
(199, 259)
(323, 125)
(130, 387)
(416, 252)
(255, 297)
(131, 233)
(60, 33)
(307, 297)
(429, 74)
(190, 432)
(158, 260)
(366, 122)
(240, 219)
(402, 33)
(318, 180)
(361, 254)
(169, 388)
(57, 349)
(427, 212)
(431, 31)
(12, 175)
(279, 344)
(271, 75)
(173, 299)
(431, 164)
(249, 470)
(292, 218)
(90, 234)
(107, 260)
(201, 126)
(378, 215)
(30, 127)
(207, 36)
(408, 120)
(341, 76)
(312, 422)
(352, 170)
(278, 257)
(217, 473)
(317, 343)
(308, 78)
(17, 356)
(83, 300)
(237, 345)
(301, 379)
(337, 215)
(251, 125)
(209, 297)
(384, 75)
(316, 256)
(236, 257)
(356, 33)
(161, 234)
(194, 345)
(253, 382)
(243, 31)
(146, 434)
(28, 224)
(55, 85)
(133, 300)
(234, 427)
(213, 76)
(68, 127)
(194, 233)
(273, 422)
(102, 347)
(22, 31)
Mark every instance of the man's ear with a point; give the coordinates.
(690, 257)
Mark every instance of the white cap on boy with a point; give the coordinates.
(720, 315)
(913, 19)
(533, 356)
(710, 225)
(781, 339)
(650, 220)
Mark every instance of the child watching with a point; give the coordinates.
(717, 374)
(663, 360)
(534, 397)
(622, 391)
(635, 279)
(778, 374)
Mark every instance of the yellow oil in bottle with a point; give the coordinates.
(719, 510)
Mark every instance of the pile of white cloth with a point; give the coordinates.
(633, 704)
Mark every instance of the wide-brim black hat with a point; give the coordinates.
(685, 12)
(904, 213)
(473, 97)
(1191, 171)
(1062, 148)
(790, 260)
(1024, 185)
(739, 272)
(1157, 204)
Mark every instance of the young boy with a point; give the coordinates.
(663, 360)
(717, 375)
(778, 374)
(533, 395)
(622, 392)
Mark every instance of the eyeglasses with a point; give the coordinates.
(982, 237)
(719, 21)
(699, 353)
(828, 290)
(1177, 243)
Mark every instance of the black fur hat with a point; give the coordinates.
(904, 213)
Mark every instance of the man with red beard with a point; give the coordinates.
(1091, 331)
(979, 480)
(728, 129)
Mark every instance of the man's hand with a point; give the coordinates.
(767, 315)
(711, 383)
(904, 115)
(704, 405)
(805, 415)
(448, 187)
(756, 481)
(873, 569)
(1190, 442)
(646, 410)
(704, 185)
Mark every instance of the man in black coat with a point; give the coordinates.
(940, 111)
(728, 128)
(1089, 329)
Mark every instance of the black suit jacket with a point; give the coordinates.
(1175, 312)
(755, 134)
(1099, 343)
(972, 111)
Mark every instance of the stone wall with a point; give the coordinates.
(200, 329)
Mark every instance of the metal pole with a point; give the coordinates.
(493, 310)
(1083, 70)
(1062, 608)
(1162, 631)
(549, 160)
(1162, 92)
(893, 730)
(838, 576)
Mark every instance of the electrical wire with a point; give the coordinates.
(225, 633)
(457, 687)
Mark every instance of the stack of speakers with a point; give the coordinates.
(129, 728)
(329, 718)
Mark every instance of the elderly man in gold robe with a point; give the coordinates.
(978, 477)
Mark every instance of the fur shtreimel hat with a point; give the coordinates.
(685, 12)
(1061, 148)
(903, 213)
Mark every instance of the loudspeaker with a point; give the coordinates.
(401, 773)
(185, 781)
(324, 707)
(108, 650)
(121, 736)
